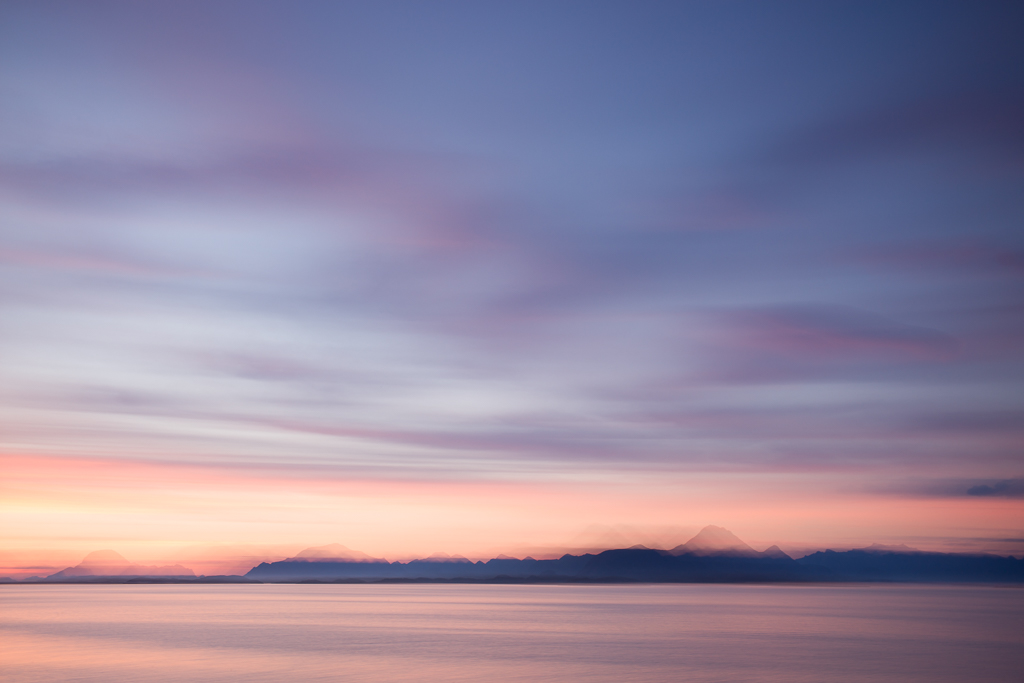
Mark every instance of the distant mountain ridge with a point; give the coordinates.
(332, 552)
(107, 563)
(715, 540)
(879, 563)
(713, 555)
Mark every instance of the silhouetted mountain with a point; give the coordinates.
(775, 551)
(443, 557)
(104, 559)
(714, 540)
(875, 564)
(630, 564)
(879, 548)
(714, 555)
(334, 552)
(717, 541)
(107, 563)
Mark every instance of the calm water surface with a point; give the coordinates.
(435, 632)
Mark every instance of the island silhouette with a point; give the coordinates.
(714, 555)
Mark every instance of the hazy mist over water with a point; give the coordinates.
(160, 634)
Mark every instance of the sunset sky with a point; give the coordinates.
(508, 277)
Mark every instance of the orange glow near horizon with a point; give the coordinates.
(224, 519)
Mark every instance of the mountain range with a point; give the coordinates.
(107, 563)
(714, 555)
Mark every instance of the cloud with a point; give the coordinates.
(965, 255)
(951, 488)
(835, 332)
(1007, 488)
(93, 262)
(811, 342)
(980, 121)
(590, 252)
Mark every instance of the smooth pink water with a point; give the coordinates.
(257, 633)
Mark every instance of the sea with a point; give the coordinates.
(459, 632)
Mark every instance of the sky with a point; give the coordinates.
(509, 277)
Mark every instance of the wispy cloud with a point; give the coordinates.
(1013, 488)
(501, 244)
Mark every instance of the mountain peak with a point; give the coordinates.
(712, 540)
(333, 551)
(329, 550)
(110, 563)
(776, 552)
(104, 558)
(444, 557)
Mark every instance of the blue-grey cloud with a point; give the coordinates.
(510, 238)
(1012, 488)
